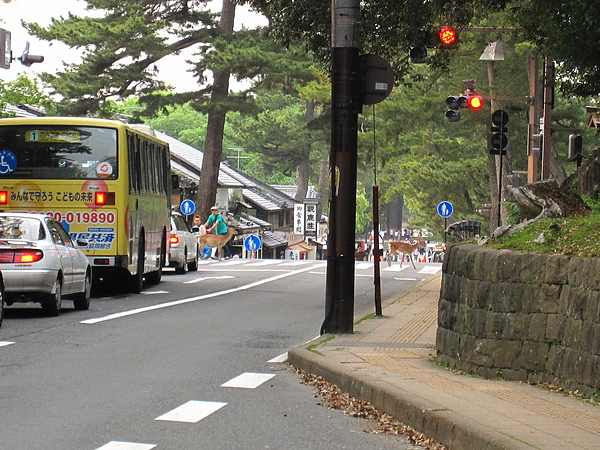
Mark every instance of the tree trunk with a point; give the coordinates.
(213, 147)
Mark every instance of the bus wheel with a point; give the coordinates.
(154, 277)
(53, 303)
(137, 281)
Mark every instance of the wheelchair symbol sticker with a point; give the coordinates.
(8, 162)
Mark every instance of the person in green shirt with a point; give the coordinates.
(216, 223)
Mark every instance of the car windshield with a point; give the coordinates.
(21, 228)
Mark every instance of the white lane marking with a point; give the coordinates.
(296, 263)
(405, 279)
(248, 380)
(194, 299)
(118, 445)
(279, 359)
(355, 274)
(154, 292)
(192, 412)
(363, 265)
(430, 269)
(265, 262)
(230, 262)
(395, 268)
(198, 280)
(5, 343)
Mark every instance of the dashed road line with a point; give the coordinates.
(192, 412)
(5, 343)
(279, 359)
(248, 380)
(198, 280)
(118, 445)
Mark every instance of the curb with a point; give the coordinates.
(446, 426)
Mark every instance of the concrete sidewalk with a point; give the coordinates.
(388, 362)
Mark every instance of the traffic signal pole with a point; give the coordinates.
(339, 293)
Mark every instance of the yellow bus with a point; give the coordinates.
(106, 182)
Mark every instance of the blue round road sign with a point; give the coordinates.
(445, 209)
(252, 243)
(187, 207)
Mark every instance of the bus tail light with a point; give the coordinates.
(3, 197)
(104, 198)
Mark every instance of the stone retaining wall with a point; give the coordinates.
(521, 316)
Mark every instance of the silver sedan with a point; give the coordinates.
(40, 263)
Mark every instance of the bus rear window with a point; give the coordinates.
(57, 152)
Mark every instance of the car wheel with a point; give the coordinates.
(1, 303)
(183, 268)
(193, 266)
(82, 300)
(53, 304)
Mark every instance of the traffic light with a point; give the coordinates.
(457, 102)
(498, 137)
(475, 102)
(447, 37)
(439, 37)
(454, 104)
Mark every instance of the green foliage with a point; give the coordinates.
(364, 213)
(23, 90)
(571, 236)
(593, 204)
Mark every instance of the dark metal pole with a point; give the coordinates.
(339, 293)
(376, 252)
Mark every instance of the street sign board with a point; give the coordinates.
(187, 207)
(252, 243)
(445, 209)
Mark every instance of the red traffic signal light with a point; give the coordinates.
(475, 102)
(448, 37)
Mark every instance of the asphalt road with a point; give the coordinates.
(192, 363)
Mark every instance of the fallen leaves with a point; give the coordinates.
(334, 398)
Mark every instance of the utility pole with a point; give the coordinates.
(339, 294)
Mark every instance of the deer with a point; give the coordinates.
(216, 240)
(403, 248)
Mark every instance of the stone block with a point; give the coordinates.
(574, 300)
(519, 327)
(549, 297)
(533, 356)
(556, 269)
(447, 314)
(509, 266)
(514, 374)
(537, 327)
(484, 297)
(591, 308)
(508, 297)
(555, 328)
(506, 353)
(476, 323)
(594, 280)
(572, 337)
(497, 325)
(579, 271)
